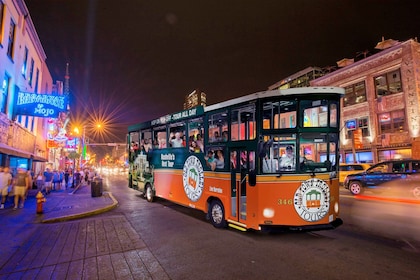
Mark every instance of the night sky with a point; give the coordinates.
(132, 61)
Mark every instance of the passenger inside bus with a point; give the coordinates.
(213, 162)
(176, 140)
(199, 142)
(193, 147)
(287, 161)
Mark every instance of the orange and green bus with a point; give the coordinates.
(263, 161)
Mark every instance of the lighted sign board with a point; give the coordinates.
(351, 124)
(40, 105)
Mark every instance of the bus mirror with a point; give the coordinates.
(252, 178)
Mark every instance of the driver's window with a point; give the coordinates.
(381, 168)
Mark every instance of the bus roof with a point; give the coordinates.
(277, 92)
(199, 110)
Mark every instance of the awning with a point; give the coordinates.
(4, 149)
(38, 158)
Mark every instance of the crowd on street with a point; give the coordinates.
(17, 183)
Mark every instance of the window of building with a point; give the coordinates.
(388, 83)
(360, 123)
(1, 21)
(243, 123)
(31, 72)
(36, 80)
(355, 94)
(25, 62)
(4, 93)
(391, 122)
(10, 46)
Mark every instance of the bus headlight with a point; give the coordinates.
(336, 207)
(268, 213)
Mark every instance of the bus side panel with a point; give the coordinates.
(169, 185)
(281, 202)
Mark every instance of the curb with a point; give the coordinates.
(84, 214)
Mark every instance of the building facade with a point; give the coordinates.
(299, 79)
(22, 68)
(194, 99)
(381, 107)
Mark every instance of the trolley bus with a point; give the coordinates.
(263, 161)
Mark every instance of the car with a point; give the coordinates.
(351, 168)
(387, 176)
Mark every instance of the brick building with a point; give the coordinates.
(380, 110)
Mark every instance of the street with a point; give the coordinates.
(181, 244)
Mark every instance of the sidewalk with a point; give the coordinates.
(69, 204)
(62, 205)
(102, 248)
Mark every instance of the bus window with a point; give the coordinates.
(160, 137)
(243, 123)
(315, 113)
(333, 114)
(280, 114)
(215, 158)
(318, 151)
(195, 133)
(177, 138)
(218, 126)
(146, 140)
(278, 153)
(134, 145)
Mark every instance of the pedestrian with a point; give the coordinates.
(66, 177)
(21, 184)
(48, 176)
(5, 182)
(40, 182)
(91, 175)
(30, 182)
(76, 178)
(56, 179)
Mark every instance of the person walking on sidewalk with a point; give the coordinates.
(21, 184)
(77, 177)
(48, 175)
(5, 182)
(66, 177)
(40, 182)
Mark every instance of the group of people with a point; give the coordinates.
(19, 184)
(215, 159)
(22, 181)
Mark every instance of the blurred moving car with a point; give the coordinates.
(351, 168)
(402, 176)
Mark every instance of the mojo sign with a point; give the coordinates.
(40, 105)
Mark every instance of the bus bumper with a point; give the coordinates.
(334, 224)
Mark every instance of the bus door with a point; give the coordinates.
(239, 169)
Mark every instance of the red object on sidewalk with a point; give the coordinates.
(40, 199)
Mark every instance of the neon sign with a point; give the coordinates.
(40, 105)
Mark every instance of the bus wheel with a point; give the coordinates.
(149, 193)
(355, 187)
(217, 214)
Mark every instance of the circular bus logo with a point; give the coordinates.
(193, 178)
(312, 200)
